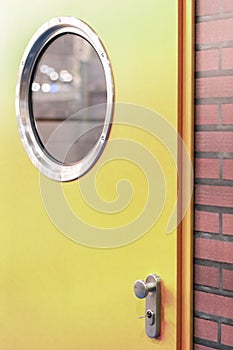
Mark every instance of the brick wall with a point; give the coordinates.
(213, 301)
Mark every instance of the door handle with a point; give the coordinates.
(151, 290)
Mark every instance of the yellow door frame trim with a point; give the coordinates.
(186, 13)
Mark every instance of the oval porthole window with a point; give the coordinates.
(65, 98)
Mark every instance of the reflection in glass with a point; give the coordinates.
(68, 78)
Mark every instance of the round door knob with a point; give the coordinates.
(141, 289)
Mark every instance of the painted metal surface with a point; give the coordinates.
(56, 293)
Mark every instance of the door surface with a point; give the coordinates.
(56, 293)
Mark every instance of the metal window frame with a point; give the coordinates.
(40, 158)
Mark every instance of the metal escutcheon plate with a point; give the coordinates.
(153, 303)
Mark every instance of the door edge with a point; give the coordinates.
(186, 15)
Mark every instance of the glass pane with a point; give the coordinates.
(69, 77)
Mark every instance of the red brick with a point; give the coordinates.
(207, 7)
(201, 347)
(214, 87)
(210, 249)
(227, 280)
(206, 114)
(206, 276)
(228, 169)
(214, 31)
(215, 141)
(221, 196)
(206, 168)
(227, 224)
(214, 304)
(227, 113)
(227, 335)
(206, 60)
(227, 58)
(206, 222)
(204, 329)
(227, 5)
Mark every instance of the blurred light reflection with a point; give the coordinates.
(45, 87)
(35, 87)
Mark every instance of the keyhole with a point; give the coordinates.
(149, 314)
